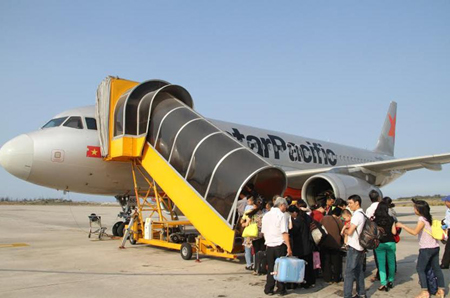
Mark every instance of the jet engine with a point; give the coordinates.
(342, 186)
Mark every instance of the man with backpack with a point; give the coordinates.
(355, 252)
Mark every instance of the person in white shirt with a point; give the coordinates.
(275, 229)
(375, 198)
(355, 252)
(242, 203)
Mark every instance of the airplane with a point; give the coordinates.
(65, 154)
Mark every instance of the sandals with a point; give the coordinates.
(440, 293)
(423, 294)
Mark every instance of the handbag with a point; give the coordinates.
(251, 230)
(318, 232)
(397, 236)
(316, 260)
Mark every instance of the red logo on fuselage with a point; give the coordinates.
(392, 130)
(93, 151)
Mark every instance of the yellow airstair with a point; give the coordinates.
(185, 160)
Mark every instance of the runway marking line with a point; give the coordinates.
(13, 245)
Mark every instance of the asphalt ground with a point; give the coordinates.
(45, 252)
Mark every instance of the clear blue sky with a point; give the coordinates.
(322, 69)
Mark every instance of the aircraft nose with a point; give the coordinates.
(16, 156)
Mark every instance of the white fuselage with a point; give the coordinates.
(57, 157)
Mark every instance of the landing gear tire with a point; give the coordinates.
(114, 228)
(120, 229)
(186, 251)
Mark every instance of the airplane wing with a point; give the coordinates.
(431, 162)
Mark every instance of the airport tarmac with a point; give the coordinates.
(59, 260)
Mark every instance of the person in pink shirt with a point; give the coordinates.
(428, 249)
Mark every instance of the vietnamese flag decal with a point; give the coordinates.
(93, 151)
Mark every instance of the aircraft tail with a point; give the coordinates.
(386, 141)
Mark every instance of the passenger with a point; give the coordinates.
(340, 203)
(301, 205)
(355, 252)
(393, 214)
(293, 213)
(445, 263)
(250, 205)
(429, 249)
(274, 198)
(269, 206)
(331, 257)
(329, 203)
(250, 188)
(293, 210)
(242, 203)
(391, 206)
(347, 216)
(317, 211)
(245, 222)
(387, 248)
(375, 198)
(289, 200)
(257, 243)
(276, 234)
(303, 245)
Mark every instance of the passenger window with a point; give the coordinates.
(91, 123)
(74, 122)
(54, 122)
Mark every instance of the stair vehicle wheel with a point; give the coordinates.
(114, 228)
(186, 251)
(120, 229)
(131, 238)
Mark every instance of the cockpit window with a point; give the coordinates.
(91, 123)
(54, 122)
(74, 122)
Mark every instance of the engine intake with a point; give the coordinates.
(342, 186)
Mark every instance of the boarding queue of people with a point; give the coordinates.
(285, 227)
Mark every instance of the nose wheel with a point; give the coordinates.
(114, 228)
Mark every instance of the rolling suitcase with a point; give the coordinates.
(289, 269)
(261, 262)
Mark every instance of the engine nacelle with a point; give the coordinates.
(342, 186)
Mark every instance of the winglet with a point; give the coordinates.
(386, 141)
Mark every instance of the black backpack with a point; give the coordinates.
(370, 234)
